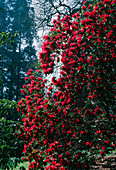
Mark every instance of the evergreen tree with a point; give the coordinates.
(10, 147)
(18, 17)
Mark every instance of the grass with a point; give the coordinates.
(25, 164)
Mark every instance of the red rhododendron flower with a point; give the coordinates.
(69, 119)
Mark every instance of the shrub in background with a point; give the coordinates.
(70, 127)
(10, 147)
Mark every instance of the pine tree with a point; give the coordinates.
(18, 17)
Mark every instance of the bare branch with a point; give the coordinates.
(48, 9)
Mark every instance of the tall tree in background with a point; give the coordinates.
(10, 148)
(47, 10)
(18, 17)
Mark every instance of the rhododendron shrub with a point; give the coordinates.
(68, 128)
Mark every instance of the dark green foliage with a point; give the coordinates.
(10, 147)
(8, 110)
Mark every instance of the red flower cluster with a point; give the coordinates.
(67, 128)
